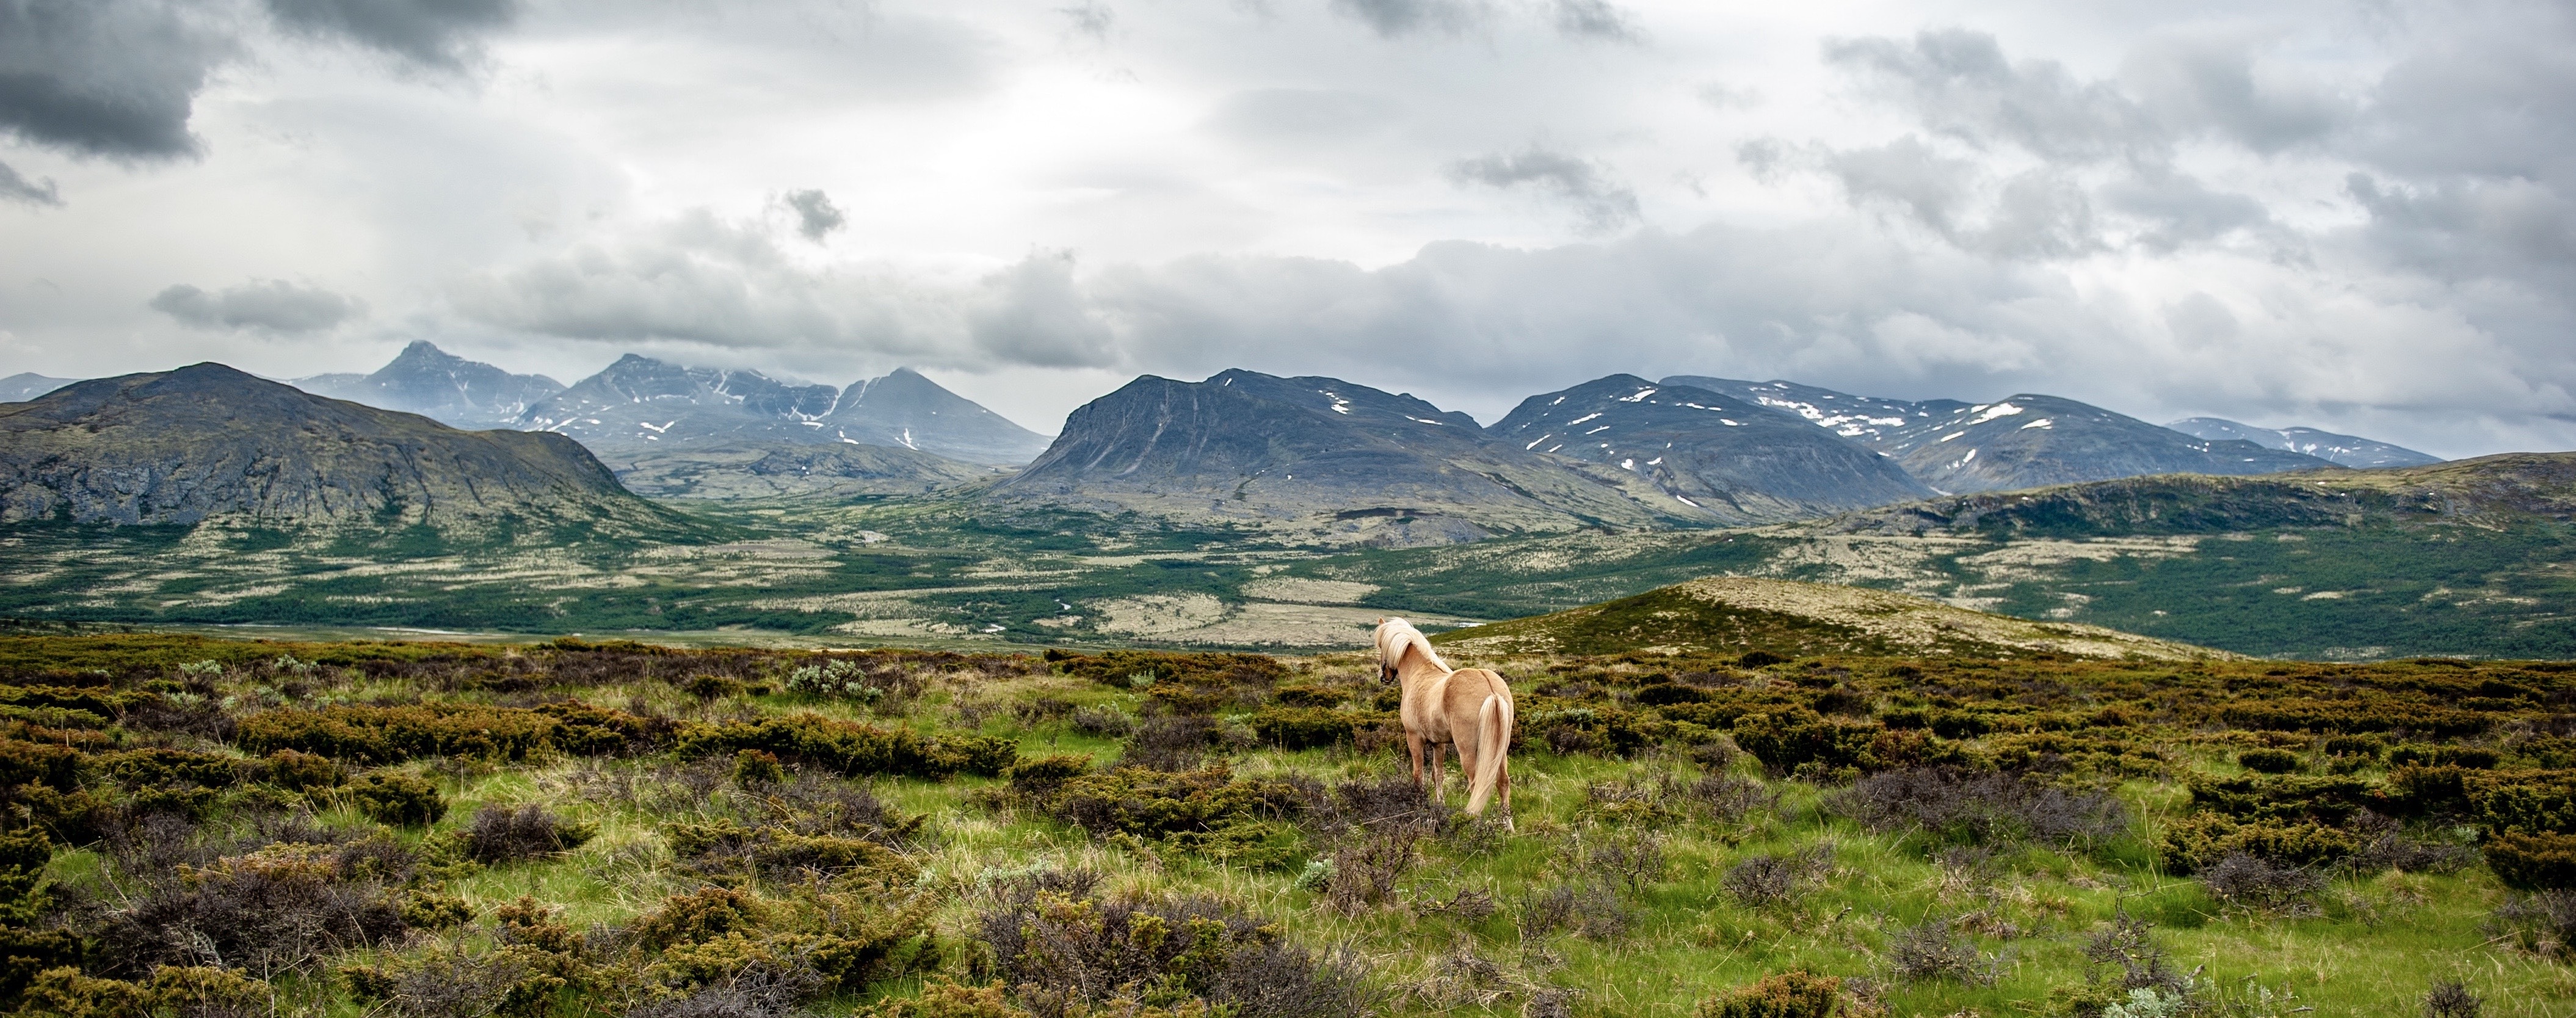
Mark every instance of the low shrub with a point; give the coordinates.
(2326, 799)
(1171, 742)
(1309, 696)
(944, 999)
(2200, 840)
(722, 846)
(1793, 994)
(1767, 880)
(1951, 804)
(175, 990)
(2450, 998)
(400, 800)
(1933, 949)
(1589, 907)
(1307, 727)
(2254, 882)
(1206, 811)
(852, 748)
(2473, 758)
(278, 909)
(753, 768)
(713, 687)
(1366, 868)
(1037, 778)
(2523, 802)
(299, 772)
(2268, 761)
(2367, 747)
(2363, 714)
(2543, 861)
(499, 834)
(1103, 722)
(2543, 923)
(1730, 798)
(1070, 954)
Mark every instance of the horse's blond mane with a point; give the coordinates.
(1400, 637)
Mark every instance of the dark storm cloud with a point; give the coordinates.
(270, 306)
(1392, 18)
(444, 34)
(816, 216)
(1602, 204)
(1596, 19)
(15, 187)
(113, 78)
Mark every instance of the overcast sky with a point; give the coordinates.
(2348, 215)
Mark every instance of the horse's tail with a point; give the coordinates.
(1493, 743)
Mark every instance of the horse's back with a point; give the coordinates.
(1468, 688)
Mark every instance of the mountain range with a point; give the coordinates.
(28, 385)
(1322, 458)
(1330, 459)
(2025, 441)
(641, 403)
(2345, 450)
(207, 441)
(433, 383)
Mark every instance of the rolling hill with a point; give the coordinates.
(206, 442)
(1738, 614)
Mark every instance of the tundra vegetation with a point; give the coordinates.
(205, 827)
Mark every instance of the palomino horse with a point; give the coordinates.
(1470, 708)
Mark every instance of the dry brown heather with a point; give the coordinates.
(204, 827)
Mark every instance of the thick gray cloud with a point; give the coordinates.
(1960, 85)
(16, 187)
(2302, 214)
(1602, 204)
(114, 78)
(444, 34)
(1091, 19)
(816, 216)
(266, 306)
(1393, 18)
(1596, 19)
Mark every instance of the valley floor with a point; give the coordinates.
(935, 573)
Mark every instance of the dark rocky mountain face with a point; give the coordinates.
(1870, 420)
(1723, 455)
(790, 470)
(206, 441)
(2346, 450)
(1320, 456)
(25, 386)
(906, 410)
(426, 380)
(640, 402)
(2023, 442)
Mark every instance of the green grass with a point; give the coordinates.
(2373, 943)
